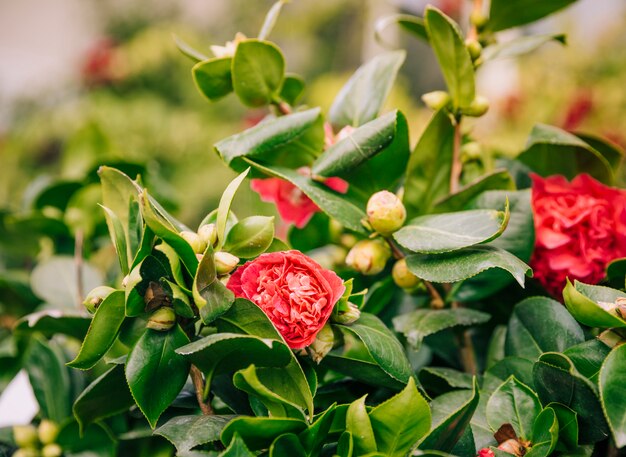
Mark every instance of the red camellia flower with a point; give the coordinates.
(579, 226)
(484, 452)
(295, 292)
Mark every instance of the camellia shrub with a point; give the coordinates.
(389, 312)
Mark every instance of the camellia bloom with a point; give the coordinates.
(484, 452)
(579, 227)
(293, 290)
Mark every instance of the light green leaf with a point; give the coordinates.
(210, 296)
(250, 237)
(187, 50)
(237, 448)
(292, 89)
(412, 24)
(223, 209)
(258, 70)
(260, 432)
(504, 14)
(187, 432)
(270, 19)
(358, 424)
(612, 381)
(545, 434)
(519, 46)
(212, 77)
(590, 304)
(568, 425)
(516, 404)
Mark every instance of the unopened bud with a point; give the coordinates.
(47, 431)
(403, 277)
(478, 107)
(349, 316)
(385, 212)
(96, 296)
(478, 19)
(25, 435)
(26, 452)
(208, 234)
(348, 240)
(471, 151)
(51, 450)
(322, 344)
(620, 307)
(474, 48)
(225, 262)
(194, 240)
(368, 257)
(436, 100)
(512, 446)
(162, 319)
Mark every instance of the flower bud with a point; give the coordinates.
(96, 296)
(478, 19)
(26, 452)
(51, 450)
(25, 435)
(403, 277)
(474, 48)
(194, 240)
(225, 262)
(436, 100)
(478, 107)
(47, 431)
(162, 319)
(368, 257)
(512, 446)
(322, 344)
(348, 240)
(385, 212)
(349, 316)
(471, 151)
(208, 234)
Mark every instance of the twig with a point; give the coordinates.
(456, 167)
(282, 106)
(198, 383)
(395, 250)
(476, 9)
(78, 262)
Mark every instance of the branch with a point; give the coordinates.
(198, 383)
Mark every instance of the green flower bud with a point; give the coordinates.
(225, 262)
(162, 319)
(471, 151)
(322, 344)
(385, 212)
(26, 452)
(194, 240)
(208, 234)
(474, 48)
(478, 19)
(437, 99)
(47, 431)
(25, 435)
(403, 277)
(348, 317)
(348, 240)
(368, 257)
(96, 296)
(51, 450)
(478, 107)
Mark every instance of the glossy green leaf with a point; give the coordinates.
(152, 360)
(441, 380)
(106, 396)
(495, 350)
(260, 432)
(250, 237)
(590, 304)
(187, 432)
(237, 448)
(223, 209)
(466, 263)
(362, 97)
(539, 325)
(287, 444)
(545, 434)
(102, 332)
(420, 323)
(611, 151)
(210, 296)
(95, 441)
(588, 357)
(292, 89)
(365, 370)
(168, 257)
(213, 77)
(496, 180)
(521, 369)
(612, 380)
(454, 59)
(53, 322)
(568, 425)
(118, 237)
(148, 270)
(179, 299)
(314, 437)
(258, 70)
(401, 421)
(550, 150)
(244, 317)
(516, 404)
(345, 445)
(359, 425)
(504, 14)
(557, 380)
(440, 233)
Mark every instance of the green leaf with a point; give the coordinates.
(401, 421)
(454, 59)
(180, 299)
(420, 323)
(357, 147)
(314, 437)
(496, 180)
(258, 70)
(264, 139)
(612, 380)
(556, 380)
(223, 209)
(451, 413)
(382, 346)
(588, 357)
(260, 432)
(292, 89)
(466, 263)
(168, 257)
(95, 441)
(329, 201)
(612, 152)
(363, 369)
(440, 233)
(345, 445)
(616, 273)
(521, 369)
(440, 380)
(119, 239)
(270, 19)
(250, 237)
(590, 304)
(210, 296)
(237, 448)
(362, 97)
(504, 14)
(516, 404)
(539, 325)
(187, 432)
(287, 444)
(545, 434)
(244, 317)
(213, 77)
(187, 50)
(148, 270)
(568, 425)
(414, 25)
(550, 150)
(152, 360)
(519, 46)
(53, 322)
(49, 378)
(106, 396)
(359, 425)
(102, 332)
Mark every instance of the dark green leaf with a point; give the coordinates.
(519, 46)
(521, 369)
(440, 380)
(588, 357)
(250, 237)
(504, 14)
(260, 432)
(362, 369)
(593, 305)
(187, 432)
(95, 441)
(258, 70)
(287, 445)
(213, 78)
(545, 434)
(496, 180)
(612, 380)
(292, 89)
(616, 273)
(612, 152)
(516, 404)
(245, 317)
(568, 425)
(148, 270)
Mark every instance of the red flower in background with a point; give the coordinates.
(578, 110)
(579, 226)
(484, 452)
(99, 66)
(293, 290)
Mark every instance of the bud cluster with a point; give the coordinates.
(368, 257)
(36, 442)
(205, 236)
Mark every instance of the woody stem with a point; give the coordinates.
(198, 383)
